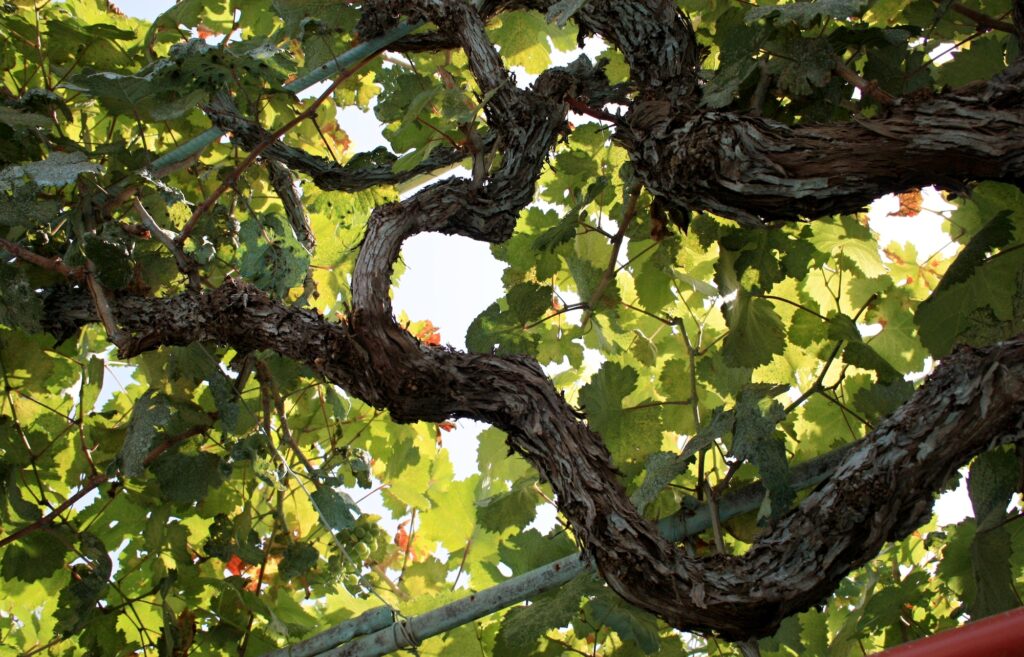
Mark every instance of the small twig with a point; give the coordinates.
(259, 148)
(186, 264)
(53, 264)
(724, 483)
(567, 646)
(761, 90)
(323, 140)
(91, 484)
(663, 320)
(99, 299)
(982, 20)
(45, 646)
(561, 311)
(171, 442)
(284, 186)
(795, 304)
(868, 88)
(691, 354)
(263, 568)
(283, 182)
(266, 379)
(685, 402)
(411, 535)
(816, 386)
(21, 431)
(462, 564)
(846, 409)
(609, 273)
(578, 106)
(716, 522)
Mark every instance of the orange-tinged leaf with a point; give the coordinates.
(204, 32)
(429, 334)
(235, 565)
(404, 542)
(402, 536)
(910, 203)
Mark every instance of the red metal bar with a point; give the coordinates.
(1001, 635)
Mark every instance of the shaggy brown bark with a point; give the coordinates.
(753, 170)
(746, 168)
(882, 490)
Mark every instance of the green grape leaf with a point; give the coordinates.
(34, 557)
(997, 233)
(721, 90)
(842, 327)
(298, 560)
(529, 301)
(23, 208)
(756, 440)
(993, 479)
(187, 478)
(143, 94)
(150, 414)
(993, 576)
(55, 171)
(879, 400)
(313, 17)
(522, 627)
(983, 59)
(20, 306)
(337, 510)
(398, 93)
(102, 636)
(271, 256)
(288, 618)
(986, 307)
(629, 622)
(558, 234)
(806, 329)
(806, 65)
(660, 468)
(515, 508)
(863, 356)
(851, 239)
(602, 399)
(755, 333)
(12, 492)
(530, 549)
(496, 331)
(655, 275)
(517, 37)
(805, 13)
(111, 260)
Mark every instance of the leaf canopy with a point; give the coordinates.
(225, 499)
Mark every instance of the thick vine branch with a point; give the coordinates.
(753, 169)
(363, 171)
(881, 491)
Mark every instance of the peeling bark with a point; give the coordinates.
(753, 169)
(882, 490)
